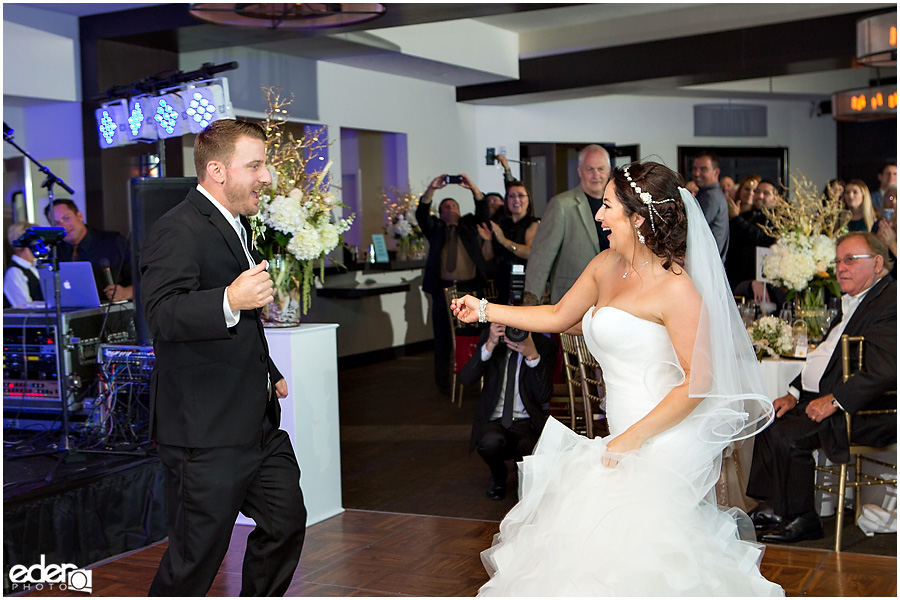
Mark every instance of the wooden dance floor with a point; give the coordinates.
(365, 553)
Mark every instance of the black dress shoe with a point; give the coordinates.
(765, 518)
(496, 492)
(804, 527)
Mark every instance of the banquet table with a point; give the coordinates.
(778, 373)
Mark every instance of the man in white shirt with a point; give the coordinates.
(21, 282)
(510, 414)
(811, 414)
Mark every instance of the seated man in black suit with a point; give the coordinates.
(510, 413)
(811, 415)
(107, 251)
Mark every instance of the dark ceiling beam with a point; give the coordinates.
(779, 49)
(172, 27)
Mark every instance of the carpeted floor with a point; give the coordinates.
(404, 448)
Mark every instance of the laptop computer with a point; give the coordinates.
(77, 287)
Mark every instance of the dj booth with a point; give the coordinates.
(108, 375)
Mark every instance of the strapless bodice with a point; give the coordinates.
(638, 362)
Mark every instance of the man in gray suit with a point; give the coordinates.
(705, 173)
(568, 237)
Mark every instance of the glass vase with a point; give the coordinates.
(284, 310)
(402, 249)
(809, 306)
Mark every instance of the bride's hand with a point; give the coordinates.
(618, 446)
(465, 308)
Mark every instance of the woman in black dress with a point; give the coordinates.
(508, 241)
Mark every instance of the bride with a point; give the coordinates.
(634, 513)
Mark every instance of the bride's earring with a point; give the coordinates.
(640, 235)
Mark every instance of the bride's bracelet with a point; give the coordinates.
(482, 308)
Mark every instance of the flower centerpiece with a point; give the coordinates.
(802, 259)
(771, 337)
(296, 225)
(400, 223)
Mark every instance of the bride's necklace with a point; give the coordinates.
(627, 272)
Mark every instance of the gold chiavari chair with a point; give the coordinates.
(593, 391)
(463, 346)
(857, 451)
(575, 416)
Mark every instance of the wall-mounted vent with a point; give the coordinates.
(730, 120)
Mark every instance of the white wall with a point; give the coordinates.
(42, 95)
(659, 125)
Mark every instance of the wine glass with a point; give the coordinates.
(786, 315)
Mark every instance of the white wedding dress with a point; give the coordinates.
(643, 528)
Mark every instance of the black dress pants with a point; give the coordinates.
(497, 444)
(205, 490)
(783, 470)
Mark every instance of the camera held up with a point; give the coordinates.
(516, 293)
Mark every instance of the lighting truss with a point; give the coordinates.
(172, 112)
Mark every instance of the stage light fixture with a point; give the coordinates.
(111, 124)
(168, 114)
(141, 121)
(205, 104)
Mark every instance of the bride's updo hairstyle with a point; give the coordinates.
(665, 230)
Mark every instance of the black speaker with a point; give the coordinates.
(149, 199)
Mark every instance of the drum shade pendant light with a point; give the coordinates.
(291, 16)
(876, 40)
(876, 46)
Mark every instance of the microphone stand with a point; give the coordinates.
(51, 179)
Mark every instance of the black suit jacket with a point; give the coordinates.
(209, 382)
(535, 385)
(435, 230)
(876, 319)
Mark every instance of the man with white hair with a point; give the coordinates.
(569, 237)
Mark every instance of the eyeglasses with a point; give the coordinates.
(851, 259)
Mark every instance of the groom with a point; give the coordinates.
(214, 397)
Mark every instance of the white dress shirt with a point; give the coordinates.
(15, 283)
(232, 317)
(818, 359)
(519, 411)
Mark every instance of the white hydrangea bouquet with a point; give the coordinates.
(771, 337)
(296, 224)
(400, 223)
(802, 259)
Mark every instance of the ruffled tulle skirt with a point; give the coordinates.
(583, 529)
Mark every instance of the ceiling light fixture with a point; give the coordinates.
(876, 46)
(876, 40)
(297, 16)
(866, 104)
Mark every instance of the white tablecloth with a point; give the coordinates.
(778, 373)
